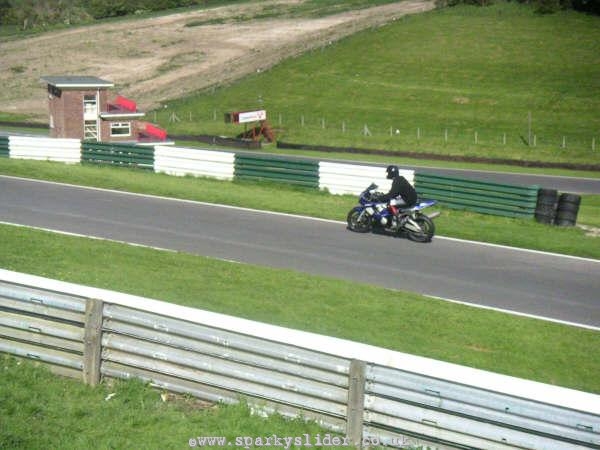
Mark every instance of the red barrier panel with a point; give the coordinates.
(125, 103)
(155, 131)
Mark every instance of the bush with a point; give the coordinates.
(547, 6)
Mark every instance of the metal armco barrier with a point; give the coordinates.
(355, 389)
(117, 154)
(480, 196)
(45, 327)
(303, 172)
(4, 147)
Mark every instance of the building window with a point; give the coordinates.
(120, 129)
(89, 105)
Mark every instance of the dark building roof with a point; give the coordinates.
(74, 82)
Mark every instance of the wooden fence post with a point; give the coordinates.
(356, 402)
(92, 341)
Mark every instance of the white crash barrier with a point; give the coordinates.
(354, 178)
(45, 149)
(181, 161)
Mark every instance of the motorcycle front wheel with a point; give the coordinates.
(427, 229)
(359, 221)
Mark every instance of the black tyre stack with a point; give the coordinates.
(567, 209)
(545, 210)
(558, 210)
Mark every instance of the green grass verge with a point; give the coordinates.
(524, 233)
(472, 73)
(16, 130)
(42, 411)
(589, 213)
(402, 321)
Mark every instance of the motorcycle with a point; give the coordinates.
(410, 221)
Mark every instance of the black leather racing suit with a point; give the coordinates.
(400, 188)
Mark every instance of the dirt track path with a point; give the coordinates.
(153, 60)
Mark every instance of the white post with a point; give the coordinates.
(356, 403)
(529, 128)
(92, 341)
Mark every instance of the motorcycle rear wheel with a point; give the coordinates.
(359, 221)
(427, 229)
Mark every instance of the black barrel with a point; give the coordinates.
(545, 210)
(567, 209)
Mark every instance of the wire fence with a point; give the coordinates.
(303, 124)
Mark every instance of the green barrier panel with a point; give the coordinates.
(129, 155)
(279, 169)
(479, 196)
(4, 150)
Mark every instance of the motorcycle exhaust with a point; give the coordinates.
(411, 225)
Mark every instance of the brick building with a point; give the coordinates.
(82, 107)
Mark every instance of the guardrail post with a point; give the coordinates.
(92, 341)
(356, 402)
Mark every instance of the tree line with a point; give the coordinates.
(35, 14)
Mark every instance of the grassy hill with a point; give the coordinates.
(464, 70)
(498, 81)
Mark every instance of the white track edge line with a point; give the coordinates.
(515, 313)
(87, 236)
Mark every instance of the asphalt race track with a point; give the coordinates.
(553, 286)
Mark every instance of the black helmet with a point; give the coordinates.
(392, 172)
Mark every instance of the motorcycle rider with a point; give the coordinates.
(402, 191)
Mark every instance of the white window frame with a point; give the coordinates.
(90, 106)
(124, 127)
